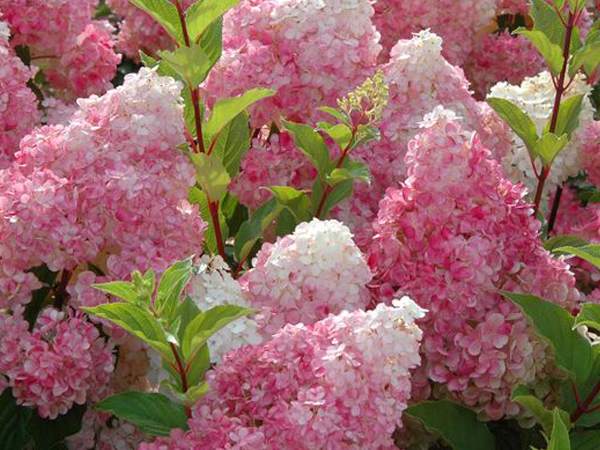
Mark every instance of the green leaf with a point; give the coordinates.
(120, 289)
(165, 13)
(232, 144)
(13, 422)
(172, 283)
(208, 323)
(296, 202)
(552, 53)
(589, 316)
(340, 133)
(587, 57)
(226, 109)
(312, 145)
(49, 433)
(154, 414)
(286, 223)
(191, 63)
(584, 388)
(188, 312)
(568, 116)
(585, 440)
(211, 175)
(336, 113)
(559, 439)
(523, 396)
(352, 171)
(137, 321)
(554, 324)
(518, 120)
(458, 426)
(547, 21)
(549, 146)
(203, 13)
(591, 253)
(199, 365)
(251, 230)
(553, 244)
(212, 42)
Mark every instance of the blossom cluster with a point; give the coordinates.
(76, 51)
(18, 104)
(62, 362)
(310, 52)
(303, 277)
(452, 236)
(109, 188)
(344, 380)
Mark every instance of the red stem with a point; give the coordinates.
(560, 89)
(328, 189)
(60, 293)
(213, 207)
(582, 408)
(182, 374)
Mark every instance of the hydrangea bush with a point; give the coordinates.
(299, 224)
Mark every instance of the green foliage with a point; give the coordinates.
(51, 433)
(192, 64)
(227, 109)
(519, 121)
(294, 201)
(542, 415)
(154, 414)
(549, 146)
(350, 171)
(211, 175)
(554, 243)
(591, 253)
(568, 116)
(559, 439)
(584, 388)
(585, 440)
(252, 230)
(312, 145)
(454, 423)
(554, 324)
(198, 197)
(589, 316)
(13, 422)
(177, 329)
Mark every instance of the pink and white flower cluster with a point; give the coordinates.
(344, 380)
(76, 51)
(452, 236)
(109, 188)
(310, 52)
(18, 104)
(62, 362)
(303, 277)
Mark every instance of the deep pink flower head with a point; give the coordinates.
(343, 381)
(62, 362)
(63, 38)
(501, 57)
(310, 52)
(452, 236)
(271, 162)
(419, 79)
(305, 276)
(398, 19)
(18, 104)
(109, 188)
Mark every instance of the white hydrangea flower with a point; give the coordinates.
(535, 96)
(303, 277)
(215, 286)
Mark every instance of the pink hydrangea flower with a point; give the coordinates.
(272, 162)
(62, 362)
(344, 380)
(501, 57)
(307, 275)
(451, 236)
(101, 431)
(419, 79)
(18, 104)
(589, 152)
(62, 38)
(310, 52)
(398, 19)
(109, 188)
